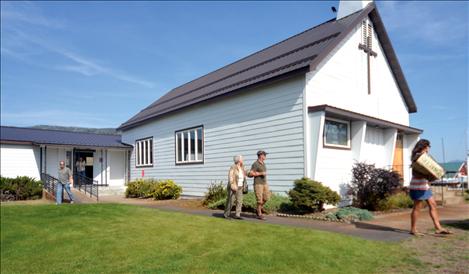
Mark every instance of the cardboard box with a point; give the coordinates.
(425, 164)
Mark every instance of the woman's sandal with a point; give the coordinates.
(443, 232)
(417, 234)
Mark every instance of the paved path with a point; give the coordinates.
(401, 221)
(389, 227)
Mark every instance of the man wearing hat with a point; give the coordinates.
(261, 188)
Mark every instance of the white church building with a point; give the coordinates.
(317, 102)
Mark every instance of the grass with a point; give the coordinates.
(108, 238)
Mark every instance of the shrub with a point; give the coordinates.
(309, 196)
(350, 214)
(166, 190)
(370, 185)
(216, 192)
(399, 200)
(20, 188)
(140, 188)
(274, 204)
(152, 188)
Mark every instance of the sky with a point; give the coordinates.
(96, 64)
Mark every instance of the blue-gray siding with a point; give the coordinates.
(268, 118)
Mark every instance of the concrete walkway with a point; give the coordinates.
(401, 221)
(390, 227)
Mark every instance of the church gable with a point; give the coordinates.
(357, 76)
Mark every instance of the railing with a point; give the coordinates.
(87, 185)
(50, 184)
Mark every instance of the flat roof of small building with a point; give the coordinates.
(22, 135)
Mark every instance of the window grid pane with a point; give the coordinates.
(200, 145)
(181, 135)
(189, 145)
(195, 145)
(336, 133)
(151, 152)
(137, 152)
(144, 152)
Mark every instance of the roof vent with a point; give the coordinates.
(348, 7)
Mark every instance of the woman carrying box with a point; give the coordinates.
(420, 191)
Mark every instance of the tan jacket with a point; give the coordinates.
(233, 177)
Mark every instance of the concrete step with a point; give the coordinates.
(82, 198)
(111, 191)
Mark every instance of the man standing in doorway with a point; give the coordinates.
(261, 188)
(81, 165)
(65, 179)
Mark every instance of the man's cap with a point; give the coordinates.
(260, 152)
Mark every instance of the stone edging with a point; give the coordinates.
(312, 218)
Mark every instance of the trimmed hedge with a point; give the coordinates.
(20, 188)
(152, 188)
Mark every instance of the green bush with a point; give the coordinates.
(350, 214)
(20, 188)
(216, 192)
(140, 188)
(274, 204)
(400, 200)
(309, 196)
(166, 190)
(152, 188)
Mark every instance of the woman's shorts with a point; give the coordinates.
(420, 195)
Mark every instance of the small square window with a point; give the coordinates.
(336, 133)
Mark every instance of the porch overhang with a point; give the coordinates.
(339, 113)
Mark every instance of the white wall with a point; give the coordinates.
(111, 170)
(116, 167)
(19, 160)
(331, 166)
(341, 81)
(268, 118)
(53, 156)
(409, 142)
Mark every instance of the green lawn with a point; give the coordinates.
(108, 238)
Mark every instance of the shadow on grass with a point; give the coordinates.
(459, 224)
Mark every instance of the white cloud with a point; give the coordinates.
(423, 22)
(27, 12)
(19, 43)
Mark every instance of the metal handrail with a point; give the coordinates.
(86, 184)
(50, 184)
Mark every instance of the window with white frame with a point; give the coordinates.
(336, 133)
(190, 145)
(144, 152)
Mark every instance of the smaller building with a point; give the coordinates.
(30, 152)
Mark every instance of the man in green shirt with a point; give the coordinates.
(65, 179)
(261, 188)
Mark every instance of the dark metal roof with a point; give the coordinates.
(56, 137)
(304, 50)
(350, 115)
